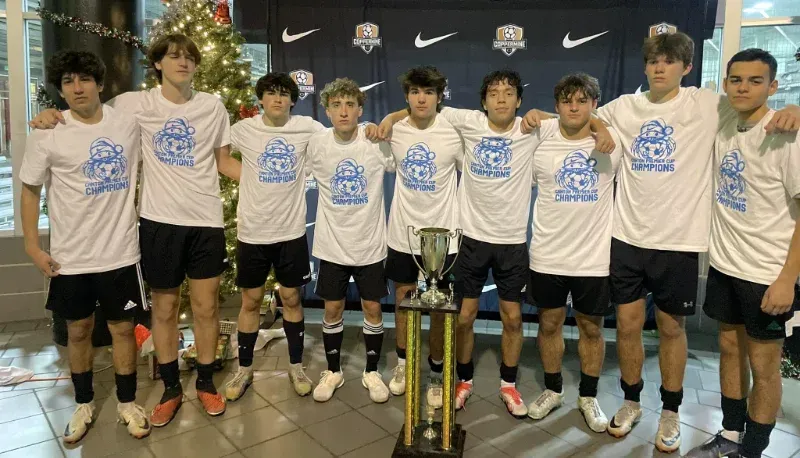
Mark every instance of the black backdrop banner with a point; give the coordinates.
(375, 41)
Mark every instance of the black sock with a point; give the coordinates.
(332, 336)
(588, 386)
(126, 387)
(373, 340)
(84, 391)
(734, 413)
(247, 340)
(205, 380)
(508, 374)
(294, 336)
(466, 371)
(632, 392)
(671, 399)
(554, 382)
(756, 438)
(436, 368)
(401, 352)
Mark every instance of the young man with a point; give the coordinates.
(667, 134)
(350, 234)
(271, 222)
(571, 245)
(90, 165)
(185, 144)
(494, 203)
(755, 257)
(427, 152)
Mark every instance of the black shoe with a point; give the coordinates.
(717, 447)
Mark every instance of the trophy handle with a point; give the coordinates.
(460, 234)
(412, 230)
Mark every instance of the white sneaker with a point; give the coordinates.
(397, 385)
(668, 437)
(134, 416)
(548, 401)
(300, 381)
(79, 423)
(328, 383)
(627, 415)
(463, 392)
(238, 385)
(434, 393)
(593, 414)
(377, 389)
(513, 400)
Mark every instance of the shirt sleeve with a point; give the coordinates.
(791, 169)
(388, 157)
(236, 136)
(534, 182)
(316, 126)
(607, 111)
(128, 102)
(460, 118)
(223, 126)
(616, 155)
(548, 128)
(35, 168)
(716, 107)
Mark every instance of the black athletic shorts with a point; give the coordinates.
(670, 275)
(119, 293)
(508, 263)
(400, 268)
(333, 278)
(731, 300)
(290, 259)
(171, 253)
(590, 295)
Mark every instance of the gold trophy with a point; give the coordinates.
(430, 438)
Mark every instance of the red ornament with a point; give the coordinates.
(223, 14)
(245, 112)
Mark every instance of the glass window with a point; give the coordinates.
(258, 56)
(35, 56)
(712, 49)
(759, 9)
(6, 190)
(782, 41)
(27, 5)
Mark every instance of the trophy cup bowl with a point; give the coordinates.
(434, 244)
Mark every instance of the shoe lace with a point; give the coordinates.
(136, 414)
(399, 372)
(544, 397)
(299, 375)
(211, 400)
(669, 424)
(627, 410)
(594, 408)
(239, 377)
(372, 378)
(82, 412)
(324, 376)
(513, 393)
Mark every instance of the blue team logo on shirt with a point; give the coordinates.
(492, 154)
(653, 147)
(732, 187)
(577, 178)
(349, 185)
(173, 145)
(277, 162)
(106, 168)
(418, 168)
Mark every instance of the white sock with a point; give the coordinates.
(504, 384)
(734, 436)
(401, 361)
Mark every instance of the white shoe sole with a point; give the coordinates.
(534, 417)
(334, 391)
(377, 402)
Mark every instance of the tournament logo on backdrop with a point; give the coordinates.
(492, 154)
(418, 168)
(661, 29)
(367, 37)
(305, 82)
(509, 38)
(446, 92)
(173, 145)
(349, 185)
(106, 168)
(732, 186)
(653, 147)
(277, 162)
(577, 178)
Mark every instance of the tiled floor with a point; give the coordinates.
(270, 420)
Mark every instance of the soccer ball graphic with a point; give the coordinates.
(662, 28)
(510, 32)
(301, 77)
(366, 30)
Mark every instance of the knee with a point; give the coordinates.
(372, 311)
(466, 318)
(290, 297)
(549, 327)
(729, 344)
(205, 311)
(80, 332)
(513, 323)
(629, 326)
(589, 330)
(671, 329)
(165, 311)
(121, 330)
(333, 314)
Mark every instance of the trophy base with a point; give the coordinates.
(416, 303)
(422, 447)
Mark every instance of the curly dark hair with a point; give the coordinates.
(574, 82)
(75, 62)
(511, 77)
(277, 82)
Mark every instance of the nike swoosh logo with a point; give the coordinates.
(638, 90)
(369, 86)
(526, 84)
(489, 288)
(290, 38)
(310, 224)
(572, 43)
(420, 43)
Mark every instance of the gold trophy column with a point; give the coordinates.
(448, 382)
(413, 333)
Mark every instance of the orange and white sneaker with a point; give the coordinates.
(213, 403)
(463, 392)
(165, 411)
(513, 400)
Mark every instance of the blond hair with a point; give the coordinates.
(342, 87)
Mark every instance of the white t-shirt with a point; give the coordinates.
(495, 193)
(272, 202)
(425, 189)
(180, 182)
(573, 212)
(351, 214)
(664, 195)
(89, 172)
(756, 184)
